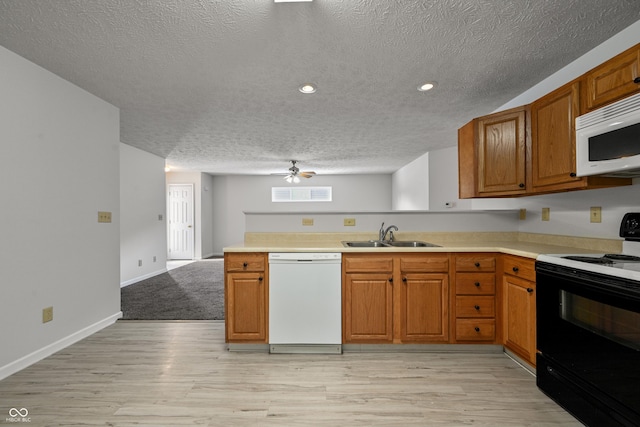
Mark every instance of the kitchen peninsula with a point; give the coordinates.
(472, 289)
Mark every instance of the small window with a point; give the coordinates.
(300, 194)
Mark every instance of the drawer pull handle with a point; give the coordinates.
(477, 307)
(477, 329)
(521, 185)
(477, 284)
(529, 290)
(515, 269)
(477, 264)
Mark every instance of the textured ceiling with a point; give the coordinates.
(211, 85)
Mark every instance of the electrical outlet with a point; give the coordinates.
(596, 214)
(522, 214)
(139, 263)
(104, 216)
(545, 214)
(47, 314)
(307, 221)
(349, 222)
(154, 258)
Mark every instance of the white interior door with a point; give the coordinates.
(181, 237)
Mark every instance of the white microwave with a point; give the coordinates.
(608, 140)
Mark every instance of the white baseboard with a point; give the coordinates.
(48, 350)
(141, 278)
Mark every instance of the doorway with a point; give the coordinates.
(181, 221)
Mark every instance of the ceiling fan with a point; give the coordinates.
(295, 174)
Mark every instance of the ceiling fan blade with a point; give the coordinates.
(307, 174)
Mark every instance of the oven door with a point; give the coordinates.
(588, 340)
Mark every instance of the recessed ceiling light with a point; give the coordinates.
(307, 88)
(426, 86)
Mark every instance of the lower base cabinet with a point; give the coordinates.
(520, 307)
(245, 292)
(395, 298)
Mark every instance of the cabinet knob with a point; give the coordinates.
(477, 307)
(477, 284)
(515, 269)
(477, 329)
(390, 279)
(521, 185)
(260, 279)
(404, 279)
(244, 264)
(477, 264)
(529, 290)
(572, 175)
(636, 80)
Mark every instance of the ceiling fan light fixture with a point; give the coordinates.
(426, 86)
(307, 88)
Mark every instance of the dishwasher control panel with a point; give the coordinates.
(305, 256)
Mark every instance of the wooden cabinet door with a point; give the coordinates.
(613, 80)
(553, 137)
(501, 153)
(424, 307)
(368, 308)
(520, 317)
(245, 298)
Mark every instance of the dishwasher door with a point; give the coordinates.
(305, 302)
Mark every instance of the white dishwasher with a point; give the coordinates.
(305, 302)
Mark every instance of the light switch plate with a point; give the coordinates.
(545, 214)
(522, 214)
(104, 216)
(595, 214)
(47, 314)
(307, 221)
(349, 222)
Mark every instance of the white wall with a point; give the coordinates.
(410, 186)
(59, 146)
(143, 235)
(236, 194)
(443, 176)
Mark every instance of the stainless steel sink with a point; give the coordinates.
(413, 244)
(379, 244)
(366, 244)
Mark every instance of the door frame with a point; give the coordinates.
(192, 249)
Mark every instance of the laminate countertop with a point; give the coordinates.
(527, 245)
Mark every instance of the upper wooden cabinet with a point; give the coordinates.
(492, 155)
(553, 144)
(615, 79)
(532, 150)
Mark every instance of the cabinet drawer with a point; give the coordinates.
(475, 306)
(476, 263)
(367, 264)
(475, 329)
(519, 267)
(430, 264)
(245, 262)
(475, 284)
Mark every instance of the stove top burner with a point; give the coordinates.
(590, 260)
(623, 257)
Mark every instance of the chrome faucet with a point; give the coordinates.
(382, 235)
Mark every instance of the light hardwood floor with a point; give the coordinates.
(179, 373)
